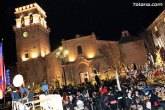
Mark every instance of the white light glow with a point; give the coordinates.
(18, 80)
(24, 59)
(91, 55)
(42, 54)
(71, 59)
(61, 48)
(34, 55)
(66, 52)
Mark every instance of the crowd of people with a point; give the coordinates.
(108, 97)
(105, 95)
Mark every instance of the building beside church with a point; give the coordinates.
(156, 30)
(85, 53)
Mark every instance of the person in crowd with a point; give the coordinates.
(23, 91)
(148, 105)
(90, 97)
(120, 100)
(87, 103)
(80, 104)
(128, 100)
(45, 88)
(154, 99)
(135, 95)
(113, 101)
(137, 105)
(105, 101)
(96, 104)
(103, 90)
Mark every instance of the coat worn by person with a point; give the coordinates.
(121, 101)
(128, 102)
(113, 101)
(104, 101)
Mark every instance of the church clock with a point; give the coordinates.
(25, 34)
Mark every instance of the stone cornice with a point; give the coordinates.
(37, 25)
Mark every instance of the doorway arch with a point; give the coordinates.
(83, 72)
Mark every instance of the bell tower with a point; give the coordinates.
(31, 32)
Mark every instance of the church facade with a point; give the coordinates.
(85, 53)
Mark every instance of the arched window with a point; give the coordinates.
(22, 21)
(31, 18)
(79, 49)
(26, 55)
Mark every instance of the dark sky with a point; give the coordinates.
(66, 18)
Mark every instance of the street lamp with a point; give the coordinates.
(61, 54)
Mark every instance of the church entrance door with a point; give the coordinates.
(84, 77)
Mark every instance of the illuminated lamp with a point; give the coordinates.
(71, 59)
(24, 59)
(42, 54)
(34, 55)
(18, 80)
(90, 55)
(61, 48)
(66, 52)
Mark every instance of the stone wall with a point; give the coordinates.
(54, 68)
(133, 52)
(88, 44)
(50, 68)
(33, 70)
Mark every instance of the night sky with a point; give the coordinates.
(66, 18)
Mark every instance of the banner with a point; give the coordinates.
(2, 74)
(117, 80)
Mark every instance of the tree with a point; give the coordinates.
(99, 64)
(111, 54)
